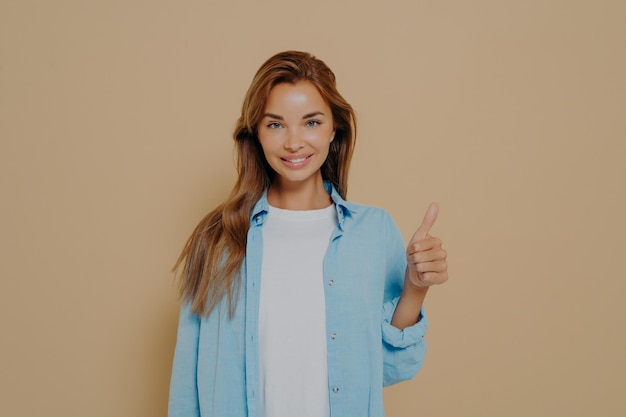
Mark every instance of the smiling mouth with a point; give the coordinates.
(295, 160)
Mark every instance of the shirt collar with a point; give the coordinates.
(344, 208)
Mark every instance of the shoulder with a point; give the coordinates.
(366, 210)
(371, 215)
(373, 227)
(357, 214)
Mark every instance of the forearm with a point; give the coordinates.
(410, 304)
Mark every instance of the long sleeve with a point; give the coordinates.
(403, 350)
(183, 399)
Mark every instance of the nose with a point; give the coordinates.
(293, 142)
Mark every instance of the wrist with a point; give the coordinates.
(411, 288)
(410, 279)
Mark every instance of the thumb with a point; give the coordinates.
(427, 222)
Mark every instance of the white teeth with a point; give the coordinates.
(295, 161)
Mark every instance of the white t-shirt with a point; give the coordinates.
(292, 313)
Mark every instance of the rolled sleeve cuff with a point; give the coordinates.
(397, 338)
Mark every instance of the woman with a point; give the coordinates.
(295, 301)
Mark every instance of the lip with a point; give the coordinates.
(296, 161)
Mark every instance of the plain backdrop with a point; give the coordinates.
(115, 139)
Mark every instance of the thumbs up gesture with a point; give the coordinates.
(426, 259)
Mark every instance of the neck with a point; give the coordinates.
(298, 196)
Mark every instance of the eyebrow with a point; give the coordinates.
(306, 116)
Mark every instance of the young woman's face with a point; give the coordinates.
(295, 132)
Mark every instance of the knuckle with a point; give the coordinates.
(430, 278)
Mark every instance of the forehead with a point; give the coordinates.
(293, 97)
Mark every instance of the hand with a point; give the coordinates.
(426, 259)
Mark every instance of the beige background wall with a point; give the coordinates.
(115, 122)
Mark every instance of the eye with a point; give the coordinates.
(274, 125)
(313, 123)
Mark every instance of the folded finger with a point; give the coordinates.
(433, 254)
(428, 243)
(433, 266)
(433, 278)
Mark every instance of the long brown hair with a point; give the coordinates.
(213, 255)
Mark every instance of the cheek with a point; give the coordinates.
(267, 144)
(322, 139)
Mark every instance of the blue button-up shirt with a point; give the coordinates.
(216, 363)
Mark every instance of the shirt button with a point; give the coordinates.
(333, 336)
(336, 390)
(331, 282)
